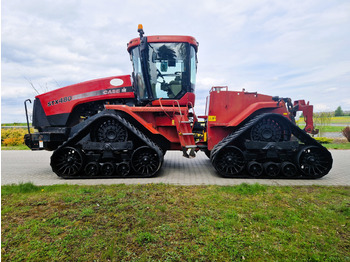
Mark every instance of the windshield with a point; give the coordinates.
(171, 70)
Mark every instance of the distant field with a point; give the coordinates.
(14, 124)
(341, 120)
(334, 120)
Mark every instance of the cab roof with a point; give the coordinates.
(164, 39)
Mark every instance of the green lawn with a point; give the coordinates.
(158, 222)
(20, 147)
(337, 146)
(336, 129)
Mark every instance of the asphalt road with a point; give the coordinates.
(28, 166)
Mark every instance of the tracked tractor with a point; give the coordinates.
(122, 126)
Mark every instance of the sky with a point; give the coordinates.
(296, 49)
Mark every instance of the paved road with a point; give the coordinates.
(27, 166)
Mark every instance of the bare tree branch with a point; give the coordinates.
(31, 83)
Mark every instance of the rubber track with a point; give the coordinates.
(233, 136)
(85, 129)
(296, 131)
(141, 136)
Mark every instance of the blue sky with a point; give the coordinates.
(297, 49)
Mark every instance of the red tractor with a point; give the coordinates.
(122, 126)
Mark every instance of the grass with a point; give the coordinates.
(336, 129)
(19, 147)
(160, 222)
(331, 129)
(342, 146)
(14, 124)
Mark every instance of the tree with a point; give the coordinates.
(338, 111)
(322, 119)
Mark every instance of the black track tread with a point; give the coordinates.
(236, 135)
(233, 136)
(81, 130)
(144, 138)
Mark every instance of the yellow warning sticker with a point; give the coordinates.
(211, 118)
(173, 122)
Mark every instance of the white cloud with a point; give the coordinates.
(296, 49)
(346, 102)
(322, 108)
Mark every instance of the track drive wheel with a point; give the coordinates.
(270, 129)
(108, 131)
(145, 161)
(229, 161)
(314, 162)
(67, 162)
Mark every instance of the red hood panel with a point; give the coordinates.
(64, 99)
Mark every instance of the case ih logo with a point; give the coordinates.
(114, 91)
(90, 94)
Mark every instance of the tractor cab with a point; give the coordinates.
(164, 67)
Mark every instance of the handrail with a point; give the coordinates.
(25, 107)
(161, 106)
(178, 104)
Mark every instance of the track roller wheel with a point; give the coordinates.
(108, 131)
(255, 169)
(145, 161)
(269, 129)
(272, 169)
(314, 162)
(92, 169)
(229, 161)
(67, 162)
(289, 169)
(123, 169)
(107, 169)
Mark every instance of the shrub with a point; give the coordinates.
(324, 140)
(346, 133)
(12, 141)
(13, 136)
